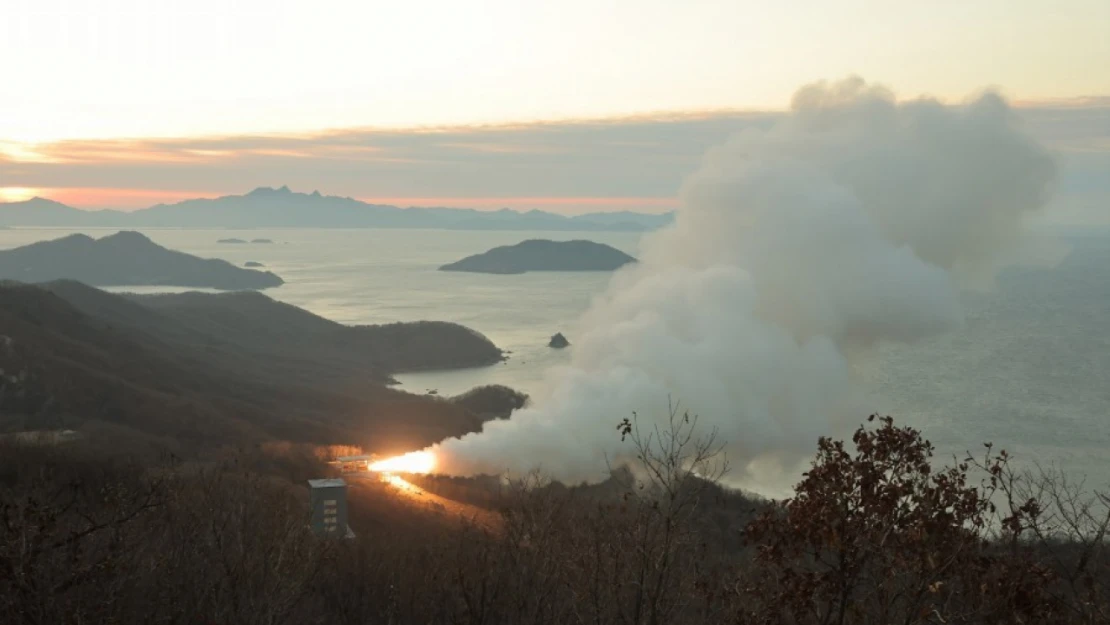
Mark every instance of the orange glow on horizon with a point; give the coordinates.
(94, 198)
(412, 462)
(17, 194)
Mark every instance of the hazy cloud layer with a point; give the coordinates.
(635, 163)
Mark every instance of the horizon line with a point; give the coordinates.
(645, 204)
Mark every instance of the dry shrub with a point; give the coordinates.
(874, 534)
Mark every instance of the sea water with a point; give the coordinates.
(1029, 371)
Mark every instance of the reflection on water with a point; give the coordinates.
(1027, 372)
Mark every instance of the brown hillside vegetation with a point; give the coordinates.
(247, 324)
(212, 371)
(871, 536)
(183, 502)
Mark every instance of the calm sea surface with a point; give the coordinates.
(1030, 371)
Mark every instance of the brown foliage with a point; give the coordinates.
(874, 534)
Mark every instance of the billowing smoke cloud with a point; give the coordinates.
(853, 221)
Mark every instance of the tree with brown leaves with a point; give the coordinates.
(877, 535)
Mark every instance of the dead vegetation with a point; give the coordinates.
(875, 533)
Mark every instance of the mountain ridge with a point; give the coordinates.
(268, 207)
(199, 369)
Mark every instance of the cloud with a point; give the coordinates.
(619, 159)
(622, 158)
(797, 249)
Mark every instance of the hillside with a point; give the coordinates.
(124, 259)
(43, 212)
(196, 371)
(280, 339)
(266, 207)
(252, 321)
(544, 255)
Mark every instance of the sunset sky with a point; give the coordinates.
(573, 105)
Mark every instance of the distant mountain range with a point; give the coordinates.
(266, 207)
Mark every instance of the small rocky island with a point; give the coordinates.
(543, 255)
(125, 259)
(243, 241)
(253, 263)
(558, 341)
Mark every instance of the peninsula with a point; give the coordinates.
(125, 259)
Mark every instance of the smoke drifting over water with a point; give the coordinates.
(797, 249)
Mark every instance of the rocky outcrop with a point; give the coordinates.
(494, 401)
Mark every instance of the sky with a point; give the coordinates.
(487, 103)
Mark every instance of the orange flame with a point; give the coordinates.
(412, 462)
(400, 483)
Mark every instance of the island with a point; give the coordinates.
(125, 259)
(543, 255)
(232, 241)
(262, 241)
(253, 263)
(558, 341)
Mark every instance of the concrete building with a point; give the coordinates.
(329, 508)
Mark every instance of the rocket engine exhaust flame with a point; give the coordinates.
(412, 462)
(400, 483)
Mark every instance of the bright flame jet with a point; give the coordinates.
(412, 462)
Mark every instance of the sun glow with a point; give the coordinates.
(412, 462)
(16, 194)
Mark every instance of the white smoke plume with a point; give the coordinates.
(852, 221)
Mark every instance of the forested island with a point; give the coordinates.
(125, 259)
(544, 255)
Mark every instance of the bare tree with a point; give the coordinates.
(653, 552)
(1067, 526)
(66, 526)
